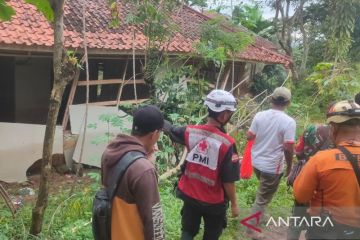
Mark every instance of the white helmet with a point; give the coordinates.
(220, 100)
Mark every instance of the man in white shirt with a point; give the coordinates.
(274, 134)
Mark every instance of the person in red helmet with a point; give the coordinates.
(330, 180)
(210, 170)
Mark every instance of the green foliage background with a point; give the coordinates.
(69, 217)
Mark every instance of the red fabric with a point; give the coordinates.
(246, 165)
(195, 181)
(299, 148)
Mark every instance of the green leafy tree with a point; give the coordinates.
(269, 78)
(333, 82)
(250, 16)
(355, 47)
(218, 46)
(342, 20)
(315, 17)
(6, 12)
(333, 29)
(115, 18)
(179, 91)
(284, 22)
(154, 16)
(45, 7)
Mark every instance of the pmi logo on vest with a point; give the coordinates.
(286, 221)
(202, 148)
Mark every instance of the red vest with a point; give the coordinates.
(207, 147)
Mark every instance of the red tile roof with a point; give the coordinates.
(30, 30)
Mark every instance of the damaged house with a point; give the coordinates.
(26, 74)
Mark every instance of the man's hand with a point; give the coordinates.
(250, 136)
(230, 193)
(288, 152)
(151, 155)
(234, 210)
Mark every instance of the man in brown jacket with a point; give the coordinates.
(136, 209)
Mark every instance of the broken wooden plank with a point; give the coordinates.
(109, 103)
(70, 100)
(110, 81)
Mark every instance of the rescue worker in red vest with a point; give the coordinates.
(207, 181)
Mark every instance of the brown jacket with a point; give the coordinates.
(136, 209)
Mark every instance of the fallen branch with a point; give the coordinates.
(237, 85)
(174, 170)
(7, 200)
(237, 115)
(247, 118)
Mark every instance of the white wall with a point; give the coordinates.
(32, 89)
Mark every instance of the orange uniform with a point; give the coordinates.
(328, 180)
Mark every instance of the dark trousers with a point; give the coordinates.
(299, 210)
(214, 221)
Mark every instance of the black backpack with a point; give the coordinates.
(101, 213)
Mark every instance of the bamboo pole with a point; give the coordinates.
(79, 168)
(121, 85)
(133, 53)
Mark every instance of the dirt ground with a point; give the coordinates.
(58, 183)
(279, 233)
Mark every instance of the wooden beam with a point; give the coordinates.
(121, 85)
(109, 103)
(70, 100)
(110, 81)
(226, 78)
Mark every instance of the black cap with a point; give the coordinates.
(147, 119)
(357, 98)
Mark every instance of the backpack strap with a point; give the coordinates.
(353, 161)
(120, 168)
